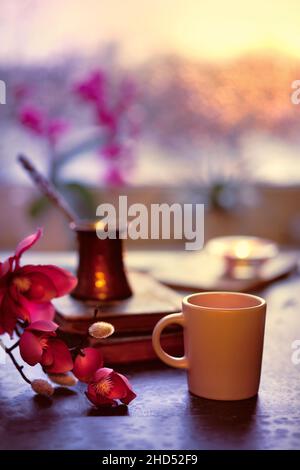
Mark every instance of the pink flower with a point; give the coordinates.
(33, 119)
(40, 124)
(86, 364)
(92, 89)
(107, 386)
(26, 292)
(113, 103)
(107, 118)
(112, 151)
(55, 129)
(114, 177)
(39, 344)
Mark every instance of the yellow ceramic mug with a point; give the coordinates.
(223, 339)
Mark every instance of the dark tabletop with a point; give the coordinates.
(165, 415)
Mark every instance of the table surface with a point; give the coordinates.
(165, 415)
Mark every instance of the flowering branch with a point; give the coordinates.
(17, 366)
(23, 287)
(13, 346)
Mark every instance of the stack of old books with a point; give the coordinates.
(133, 319)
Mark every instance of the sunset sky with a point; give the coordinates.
(217, 29)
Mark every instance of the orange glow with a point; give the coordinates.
(100, 280)
(209, 30)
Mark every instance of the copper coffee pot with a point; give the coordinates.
(101, 273)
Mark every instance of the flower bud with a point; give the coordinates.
(66, 380)
(42, 387)
(101, 330)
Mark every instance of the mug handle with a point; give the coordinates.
(179, 362)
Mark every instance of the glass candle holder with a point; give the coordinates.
(243, 256)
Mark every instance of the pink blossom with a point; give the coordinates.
(26, 292)
(55, 129)
(112, 151)
(108, 386)
(92, 88)
(112, 103)
(107, 118)
(33, 119)
(86, 363)
(40, 124)
(114, 176)
(39, 344)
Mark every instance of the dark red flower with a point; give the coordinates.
(39, 344)
(87, 363)
(26, 292)
(107, 386)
